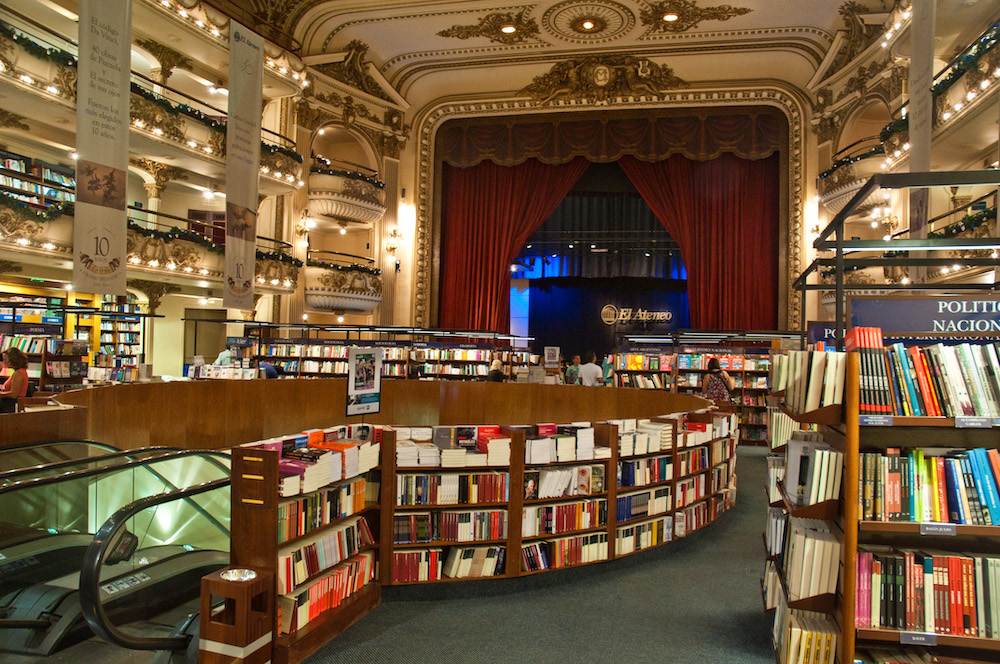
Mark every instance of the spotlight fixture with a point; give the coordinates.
(508, 29)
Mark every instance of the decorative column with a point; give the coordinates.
(389, 236)
(154, 291)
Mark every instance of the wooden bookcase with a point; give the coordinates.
(57, 381)
(35, 183)
(848, 435)
(254, 544)
(715, 500)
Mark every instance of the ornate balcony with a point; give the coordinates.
(350, 289)
(341, 196)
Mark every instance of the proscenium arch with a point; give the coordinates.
(787, 101)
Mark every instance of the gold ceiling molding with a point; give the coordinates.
(353, 72)
(9, 267)
(602, 79)
(787, 101)
(168, 58)
(10, 120)
(500, 27)
(588, 22)
(683, 15)
(858, 37)
(161, 173)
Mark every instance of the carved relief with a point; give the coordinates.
(276, 271)
(840, 177)
(278, 162)
(143, 249)
(154, 116)
(217, 141)
(602, 79)
(826, 129)
(154, 290)
(353, 281)
(9, 267)
(18, 224)
(859, 34)
(502, 28)
(168, 58)
(10, 120)
(353, 71)
(65, 80)
(682, 15)
(309, 117)
(162, 173)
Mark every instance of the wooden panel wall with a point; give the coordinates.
(221, 414)
(20, 428)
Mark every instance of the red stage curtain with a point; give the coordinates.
(723, 214)
(488, 213)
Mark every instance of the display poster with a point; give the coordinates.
(364, 380)
(953, 315)
(246, 65)
(100, 224)
(552, 357)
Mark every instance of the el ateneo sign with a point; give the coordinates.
(939, 315)
(612, 315)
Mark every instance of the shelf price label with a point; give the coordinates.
(946, 529)
(918, 638)
(875, 420)
(968, 422)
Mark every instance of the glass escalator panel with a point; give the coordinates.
(36, 454)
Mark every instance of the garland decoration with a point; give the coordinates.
(33, 48)
(176, 234)
(967, 223)
(354, 267)
(351, 175)
(12, 202)
(278, 256)
(270, 148)
(178, 109)
(876, 150)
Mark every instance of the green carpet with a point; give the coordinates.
(693, 600)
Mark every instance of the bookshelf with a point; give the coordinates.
(64, 365)
(261, 539)
(645, 370)
(36, 183)
(891, 547)
(119, 344)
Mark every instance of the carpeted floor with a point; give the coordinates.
(696, 600)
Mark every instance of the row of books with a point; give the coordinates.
(576, 550)
(807, 637)
(31, 345)
(691, 489)
(566, 481)
(414, 565)
(644, 362)
(644, 535)
(699, 361)
(562, 443)
(474, 561)
(642, 472)
(450, 526)
(691, 461)
(810, 558)
(644, 503)
(814, 470)
(810, 379)
(452, 488)
(324, 367)
(564, 517)
(650, 381)
(928, 591)
(123, 374)
(904, 656)
(303, 561)
(722, 450)
(960, 486)
(435, 369)
(304, 515)
(780, 426)
(722, 476)
(326, 593)
(66, 369)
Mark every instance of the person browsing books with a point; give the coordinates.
(224, 358)
(16, 384)
(716, 384)
(573, 372)
(496, 372)
(590, 373)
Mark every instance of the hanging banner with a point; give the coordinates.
(102, 125)
(920, 108)
(246, 64)
(364, 380)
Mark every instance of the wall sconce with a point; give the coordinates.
(306, 224)
(395, 237)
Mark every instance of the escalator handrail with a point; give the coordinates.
(117, 454)
(209, 455)
(66, 441)
(90, 574)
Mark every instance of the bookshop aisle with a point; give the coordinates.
(695, 601)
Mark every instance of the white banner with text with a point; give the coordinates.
(100, 226)
(246, 74)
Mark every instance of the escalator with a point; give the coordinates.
(41, 453)
(48, 522)
(70, 465)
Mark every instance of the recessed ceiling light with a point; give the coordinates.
(588, 25)
(508, 29)
(670, 17)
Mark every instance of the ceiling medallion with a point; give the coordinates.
(682, 15)
(602, 79)
(588, 22)
(503, 28)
